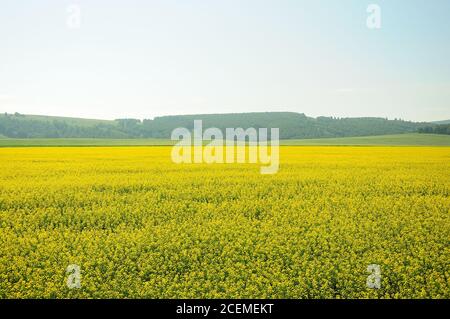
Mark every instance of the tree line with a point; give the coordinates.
(436, 129)
(292, 125)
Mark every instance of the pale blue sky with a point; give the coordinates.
(147, 58)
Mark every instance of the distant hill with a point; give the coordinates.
(292, 125)
(413, 139)
(39, 126)
(436, 129)
(441, 122)
(69, 120)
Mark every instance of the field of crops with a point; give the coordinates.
(140, 226)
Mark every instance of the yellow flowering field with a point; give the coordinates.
(140, 226)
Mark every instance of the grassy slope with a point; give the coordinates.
(441, 122)
(81, 142)
(400, 139)
(68, 120)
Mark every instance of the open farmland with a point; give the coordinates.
(141, 226)
(413, 139)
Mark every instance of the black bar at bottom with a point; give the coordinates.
(217, 308)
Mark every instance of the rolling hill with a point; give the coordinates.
(408, 139)
(292, 126)
(441, 122)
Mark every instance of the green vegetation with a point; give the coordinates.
(68, 120)
(441, 122)
(437, 129)
(292, 126)
(399, 139)
(12, 142)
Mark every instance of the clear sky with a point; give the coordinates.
(141, 59)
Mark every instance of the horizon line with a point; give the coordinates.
(208, 114)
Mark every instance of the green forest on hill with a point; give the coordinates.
(292, 126)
